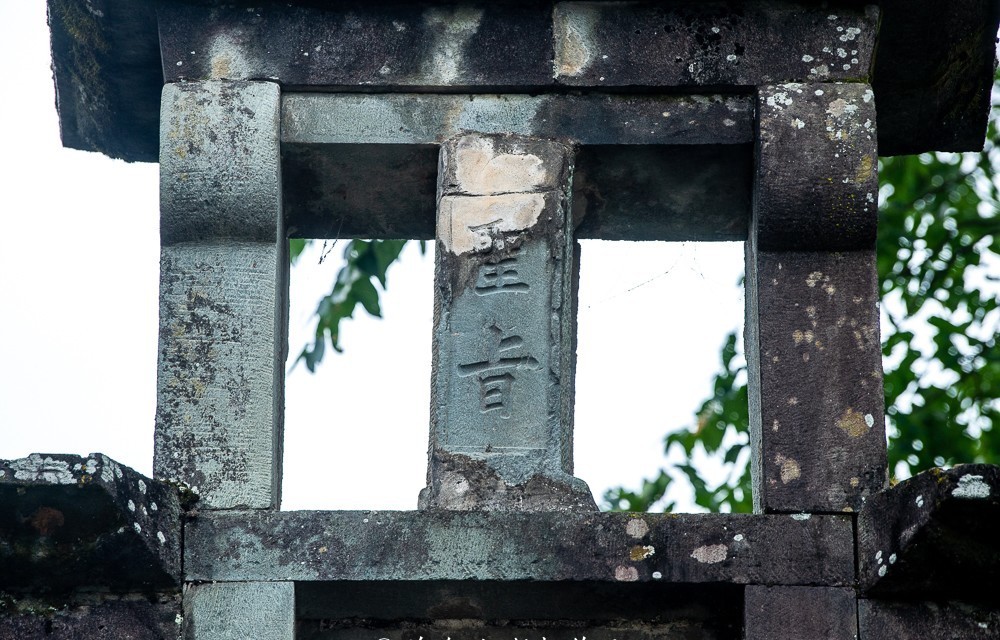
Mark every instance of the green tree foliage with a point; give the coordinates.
(365, 262)
(939, 224)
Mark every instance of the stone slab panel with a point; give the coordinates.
(239, 610)
(220, 162)
(600, 44)
(94, 616)
(70, 522)
(526, 629)
(817, 168)
(409, 118)
(934, 536)
(887, 620)
(620, 192)
(504, 329)
(815, 380)
(797, 613)
(220, 382)
(609, 548)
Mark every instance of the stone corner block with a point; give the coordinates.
(237, 610)
(817, 167)
(220, 161)
(73, 522)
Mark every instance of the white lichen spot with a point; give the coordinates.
(919, 501)
(142, 487)
(869, 420)
(738, 537)
(144, 512)
(657, 575)
(131, 505)
(882, 571)
(854, 60)
(35, 468)
(710, 553)
(971, 487)
(819, 92)
(841, 52)
(840, 29)
(643, 552)
(715, 30)
(180, 63)
(178, 619)
(801, 517)
(152, 506)
(892, 559)
(878, 556)
(789, 468)
(732, 57)
(384, 70)
(729, 123)
(636, 528)
(831, 17)
(793, 401)
(807, 58)
(847, 67)
(118, 471)
(626, 574)
(779, 100)
(982, 625)
(850, 34)
(868, 95)
(813, 278)
(162, 538)
(398, 26)
(138, 529)
(798, 124)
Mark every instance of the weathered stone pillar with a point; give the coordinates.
(504, 329)
(223, 293)
(796, 613)
(816, 403)
(240, 610)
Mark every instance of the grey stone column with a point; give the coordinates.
(239, 610)
(504, 329)
(798, 613)
(812, 339)
(223, 293)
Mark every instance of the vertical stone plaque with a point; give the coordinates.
(502, 400)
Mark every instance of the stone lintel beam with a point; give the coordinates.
(794, 613)
(815, 368)
(888, 620)
(934, 536)
(223, 293)
(542, 44)
(504, 328)
(444, 545)
(69, 522)
(414, 118)
(224, 611)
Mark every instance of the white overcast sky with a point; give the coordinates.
(78, 280)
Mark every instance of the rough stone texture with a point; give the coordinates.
(239, 610)
(932, 77)
(797, 613)
(69, 522)
(551, 630)
(710, 43)
(879, 620)
(93, 616)
(817, 430)
(934, 536)
(220, 164)
(817, 168)
(611, 548)
(620, 192)
(408, 118)
(106, 66)
(504, 329)
(220, 381)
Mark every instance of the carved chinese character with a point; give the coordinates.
(500, 277)
(496, 377)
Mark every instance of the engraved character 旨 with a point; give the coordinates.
(496, 372)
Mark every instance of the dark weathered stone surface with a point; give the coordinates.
(815, 380)
(106, 63)
(797, 613)
(880, 620)
(933, 74)
(609, 548)
(657, 192)
(93, 617)
(68, 522)
(934, 536)
(220, 162)
(817, 168)
(220, 378)
(932, 77)
(711, 43)
(411, 118)
(504, 329)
